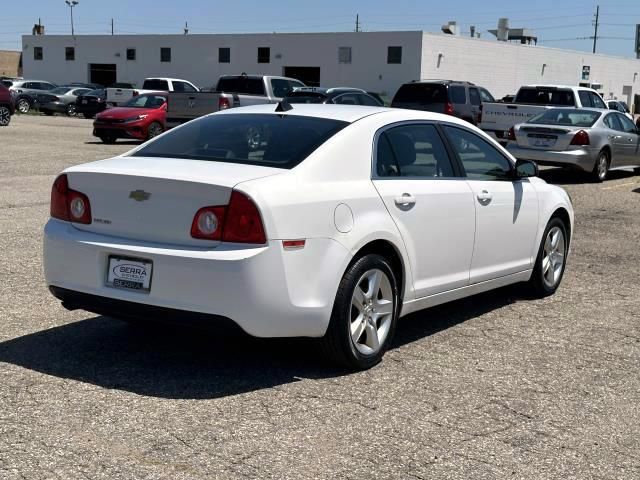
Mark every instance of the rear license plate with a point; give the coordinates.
(129, 273)
(542, 141)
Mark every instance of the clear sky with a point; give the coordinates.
(557, 23)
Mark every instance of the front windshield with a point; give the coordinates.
(146, 101)
(565, 116)
(281, 141)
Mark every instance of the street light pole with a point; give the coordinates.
(71, 4)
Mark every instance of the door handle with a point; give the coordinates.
(485, 196)
(405, 200)
(615, 137)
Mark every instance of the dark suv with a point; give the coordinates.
(6, 106)
(461, 99)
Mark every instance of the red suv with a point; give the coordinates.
(7, 107)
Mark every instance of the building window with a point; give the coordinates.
(37, 53)
(264, 54)
(394, 55)
(131, 54)
(224, 55)
(344, 55)
(69, 53)
(165, 54)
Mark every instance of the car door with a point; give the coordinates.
(431, 204)
(506, 208)
(630, 140)
(474, 99)
(616, 139)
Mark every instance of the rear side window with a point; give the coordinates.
(346, 99)
(585, 98)
(414, 150)
(474, 96)
(281, 87)
(156, 84)
(241, 85)
(627, 125)
(281, 141)
(421, 94)
(545, 96)
(596, 100)
(457, 94)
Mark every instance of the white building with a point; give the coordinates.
(376, 61)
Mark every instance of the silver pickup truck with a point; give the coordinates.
(231, 91)
(497, 118)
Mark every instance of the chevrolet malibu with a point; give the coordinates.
(338, 221)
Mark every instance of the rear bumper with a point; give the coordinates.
(267, 291)
(583, 158)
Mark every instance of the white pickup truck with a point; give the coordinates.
(498, 118)
(231, 91)
(119, 96)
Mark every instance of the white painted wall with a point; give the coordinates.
(195, 57)
(503, 67)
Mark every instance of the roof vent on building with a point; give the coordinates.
(450, 28)
(504, 33)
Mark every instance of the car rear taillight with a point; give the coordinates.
(511, 134)
(238, 222)
(223, 103)
(67, 204)
(581, 138)
(208, 223)
(448, 109)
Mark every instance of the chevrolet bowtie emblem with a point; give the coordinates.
(139, 195)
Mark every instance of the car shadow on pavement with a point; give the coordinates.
(566, 176)
(126, 142)
(170, 362)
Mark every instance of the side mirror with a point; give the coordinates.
(526, 169)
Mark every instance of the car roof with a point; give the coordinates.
(345, 113)
(167, 78)
(443, 81)
(568, 87)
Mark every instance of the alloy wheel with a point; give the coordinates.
(5, 116)
(372, 309)
(602, 166)
(553, 257)
(23, 106)
(154, 130)
(71, 110)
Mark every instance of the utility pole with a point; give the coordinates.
(357, 22)
(186, 28)
(72, 4)
(595, 34)
(112, 26)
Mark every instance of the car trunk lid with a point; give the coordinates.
(545, 137)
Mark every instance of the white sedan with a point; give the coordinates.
(318, 220)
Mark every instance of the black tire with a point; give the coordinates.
(5, 116)
(110, 139)
(337, 344)
(88, 115)
(71, 110)
(23, 105)
(154, 130)
(537, 285)
(601, 167)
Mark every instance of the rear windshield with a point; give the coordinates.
(281, 141)
(162, 85)
(305, 97)
(94, 93)
(421, 94)
(545, 96)
(562, 116)
(242, 85)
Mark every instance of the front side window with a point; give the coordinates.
(224, 55)
(627, 125)
(585, 98)
(69, 53)
(394, 55)
(486, 96)
(368, 100)
(165, 54)
(37, 53)
(269, 140)
(414, 150)
(346, 99)
(480, 159)
(264, 54)
(183, 87)
(281, 87)
(611, 121)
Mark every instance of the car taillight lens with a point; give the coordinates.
(223, 103)
(67, 204)
(238, 222)
(581, 138)
(511, 134)
(448, 109)
(208, 223)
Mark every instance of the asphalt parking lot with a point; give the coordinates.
(496, 386)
